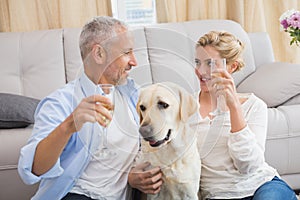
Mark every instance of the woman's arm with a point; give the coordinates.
(247, 146)
(247, 137)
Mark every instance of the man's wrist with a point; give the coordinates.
(68, 126)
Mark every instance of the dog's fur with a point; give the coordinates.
(168, 141)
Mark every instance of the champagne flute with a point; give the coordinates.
(221, 104)
(108, 91)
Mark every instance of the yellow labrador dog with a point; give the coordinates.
(168, 141)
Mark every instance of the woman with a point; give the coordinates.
(233, 143)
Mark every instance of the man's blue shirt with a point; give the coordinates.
(51, 112)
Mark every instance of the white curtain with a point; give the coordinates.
(28, 15)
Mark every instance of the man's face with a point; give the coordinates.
(120, 58)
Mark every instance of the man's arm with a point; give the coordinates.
(50, 148)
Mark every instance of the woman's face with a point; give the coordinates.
(202, 59)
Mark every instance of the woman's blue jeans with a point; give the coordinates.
(276, 189)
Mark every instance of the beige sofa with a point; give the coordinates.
(33, 64)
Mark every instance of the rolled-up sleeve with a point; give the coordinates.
(49, 114)
(246, 147)
(25, 165)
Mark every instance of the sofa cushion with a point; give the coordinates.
(16, 111)
(172, 58)
(261, 55)
(32, 63)
(275, 83)
(293, 101)
(73, 61)
(283, 138)
(142, 72)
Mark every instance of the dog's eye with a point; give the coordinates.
(142, 107)
(162, 104)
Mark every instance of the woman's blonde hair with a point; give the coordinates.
(226, 44)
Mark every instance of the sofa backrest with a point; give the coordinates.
(165, 52)
(31, 63)
(171, 50)
(73, 62)
(38, 62)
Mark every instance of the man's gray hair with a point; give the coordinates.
(97, 30)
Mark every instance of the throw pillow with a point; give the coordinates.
(275, 83)
(16, 111)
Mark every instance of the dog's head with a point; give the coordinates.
(163, 108)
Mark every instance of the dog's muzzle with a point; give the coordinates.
(148, 135)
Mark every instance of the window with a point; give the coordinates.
(134, 12)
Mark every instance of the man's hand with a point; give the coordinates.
(147, 181)
(93, 109)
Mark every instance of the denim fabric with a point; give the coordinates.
(72, 196)
(276, 189)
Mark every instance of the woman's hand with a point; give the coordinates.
(223, 84)
(147, 181)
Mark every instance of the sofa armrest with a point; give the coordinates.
(275, 83)
(293, 101)
(262, 48)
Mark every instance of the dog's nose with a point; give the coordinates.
(146, 130)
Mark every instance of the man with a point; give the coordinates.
(62, 151)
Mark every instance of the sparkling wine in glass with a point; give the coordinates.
(221, 104)
(108, 91)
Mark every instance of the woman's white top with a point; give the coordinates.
(233, 164)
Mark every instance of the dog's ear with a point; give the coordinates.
(188, 105)
(139, 111)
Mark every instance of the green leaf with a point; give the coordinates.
(293, 41)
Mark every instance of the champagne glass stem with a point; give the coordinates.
(220, 104)
(104, 138)
(108, 91)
